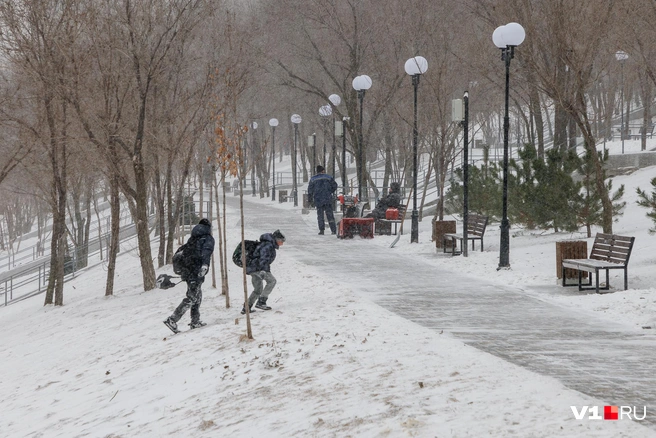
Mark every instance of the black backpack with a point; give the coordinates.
(186, 257)
(250, 245)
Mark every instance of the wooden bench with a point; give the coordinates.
(609, 251)
(384, 226)
(476, 225)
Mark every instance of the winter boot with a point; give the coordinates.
(261, 304)
(197, 324)
(321, 232)
(171, 325)
(243, 310)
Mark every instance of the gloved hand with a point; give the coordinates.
(203, 270)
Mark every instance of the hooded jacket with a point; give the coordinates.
(204, 246)
(264, 254)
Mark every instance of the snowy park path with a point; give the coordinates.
(608, 361)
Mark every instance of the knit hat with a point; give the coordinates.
(395, 187)
(205, 222)
(320, 168)
(278, 235)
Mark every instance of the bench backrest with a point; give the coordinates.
(476, 225)
(612, 248)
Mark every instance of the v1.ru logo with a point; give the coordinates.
(610, 412)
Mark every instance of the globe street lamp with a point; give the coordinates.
(361, 84)
(415, 67)
(296, 119)
(506, 38)
(335, 100)
(621, 57)
(273, 123)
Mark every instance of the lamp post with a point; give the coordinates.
(335, 100)
(273, 123)
(253, 138)
(296, 119)
(621, 57)
(460, 114)
(506, 38)
(361, 84)
(415, 67)
(312, 145)
(465, 174)
(325, 111)
(345, 121)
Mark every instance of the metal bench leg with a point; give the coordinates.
(562, 272)
(626, 279)
(481, 243)
(597, 279)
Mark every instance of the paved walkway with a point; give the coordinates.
(604, 360)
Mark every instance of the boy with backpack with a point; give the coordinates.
(191, 261)
(258, 266)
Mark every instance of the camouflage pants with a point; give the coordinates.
(258, 279)
(192, 300)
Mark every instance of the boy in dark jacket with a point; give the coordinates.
(259, 268)
(198, 264)
(320, 190)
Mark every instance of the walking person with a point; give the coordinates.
(258, 266)
(195, 259)
(321, 190)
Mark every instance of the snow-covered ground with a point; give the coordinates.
(108, 367)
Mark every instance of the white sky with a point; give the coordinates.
(327, 361)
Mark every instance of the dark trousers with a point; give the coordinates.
(328, 210)
(192, 300)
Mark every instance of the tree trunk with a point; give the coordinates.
(537, 117)
(584, 124)
(115, 210)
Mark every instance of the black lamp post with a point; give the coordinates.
(361, 84)
(345, 121)
(415, 67)
(296, 119)
(273, 123)
(621, 57)
(312, 144)
(506, 38)
(460, 114)
(465, 174)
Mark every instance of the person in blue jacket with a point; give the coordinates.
(258, 266)
(196, 264)
(320, 191)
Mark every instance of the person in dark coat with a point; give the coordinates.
(392, 200)
(198, 264)
(321, 190)
(259, 268)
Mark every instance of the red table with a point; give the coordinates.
(362, 226)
